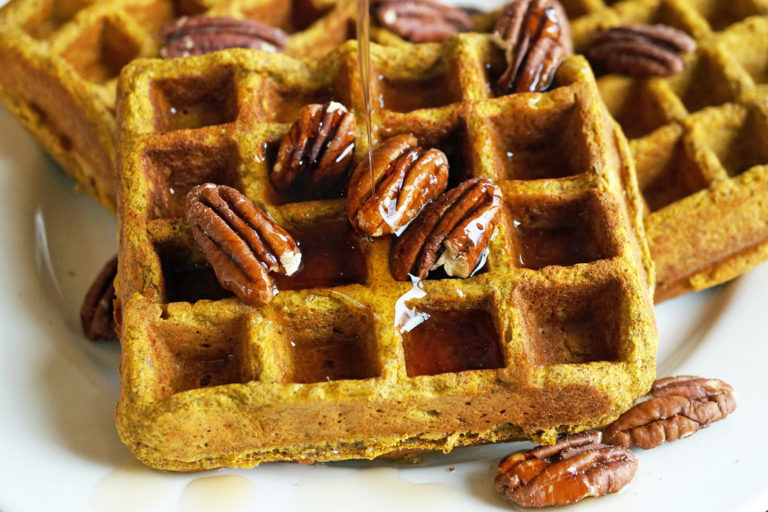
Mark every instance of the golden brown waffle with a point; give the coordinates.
(700, 139)
(555, 334)
(61, 60)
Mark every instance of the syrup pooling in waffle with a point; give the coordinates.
(327, 371)
(699, 137)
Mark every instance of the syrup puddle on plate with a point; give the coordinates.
(131, 487)
(372, 490)
(221, 493)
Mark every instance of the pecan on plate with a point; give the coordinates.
(574, 468)
(535, 36)
(641, 50)
(198, 35)
(97, 313)
(405, 178)
(421, 21)
(317, 150)
(240, 241)
(678, 407)
(452, 231)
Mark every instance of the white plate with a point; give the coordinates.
(58, 392)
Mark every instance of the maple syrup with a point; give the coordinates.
(409, 95)
(559, 245)
(189, 103)
(186, 281)
(560, 234)
(192, 371)
(330, 256)
(283, 105)
(364, 61)
(452, 341)
(342, 355)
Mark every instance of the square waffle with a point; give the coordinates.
(555, 334)
(699, 139)
(61, 60)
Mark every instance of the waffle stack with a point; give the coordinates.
(555, 334)
(61, 60)
(699, 139)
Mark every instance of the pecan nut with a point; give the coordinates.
(317, 150)
(97, 313)
(421, 21)
(240, 241)
(198, 35)
(405, 178)
(535, 36)
(574, 468)
(678, 408)
(641, 50)
(452, 231)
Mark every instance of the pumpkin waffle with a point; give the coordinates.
(699, 139)
(61, 60)
(554, 334)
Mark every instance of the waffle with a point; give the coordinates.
(555, 333)
(699, 139)
(61, 60)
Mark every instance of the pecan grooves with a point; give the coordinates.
(421, 21)
(240, 241)
(535, 36)
(641, 50)
(574, 468)
(678, 408)
(452, 231)
(198, 35)
(406, 177)
(316, 151)
(97, 313)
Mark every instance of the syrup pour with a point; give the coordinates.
(364, 60)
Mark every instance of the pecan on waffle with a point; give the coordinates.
(699, 138)
(554, 334)
(61, 60)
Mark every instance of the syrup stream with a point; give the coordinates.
(364, 60)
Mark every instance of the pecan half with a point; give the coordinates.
(198, 35)
(97, 313)
(535, 36)
(678, 407)
(574, 468)
(452, 231)
(316, 151)
(641, 50)
(406, 177)
(240, 241)
(421, 21)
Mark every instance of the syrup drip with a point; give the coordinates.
(407, 317)
(364, 60)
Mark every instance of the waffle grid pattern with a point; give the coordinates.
(62, 59)
(324, 372)
(699, 139)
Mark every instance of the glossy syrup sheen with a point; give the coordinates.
(341, 356)
(364, 61)
(330, 256)
(409, 95)
(559, 245)
(452, 341)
